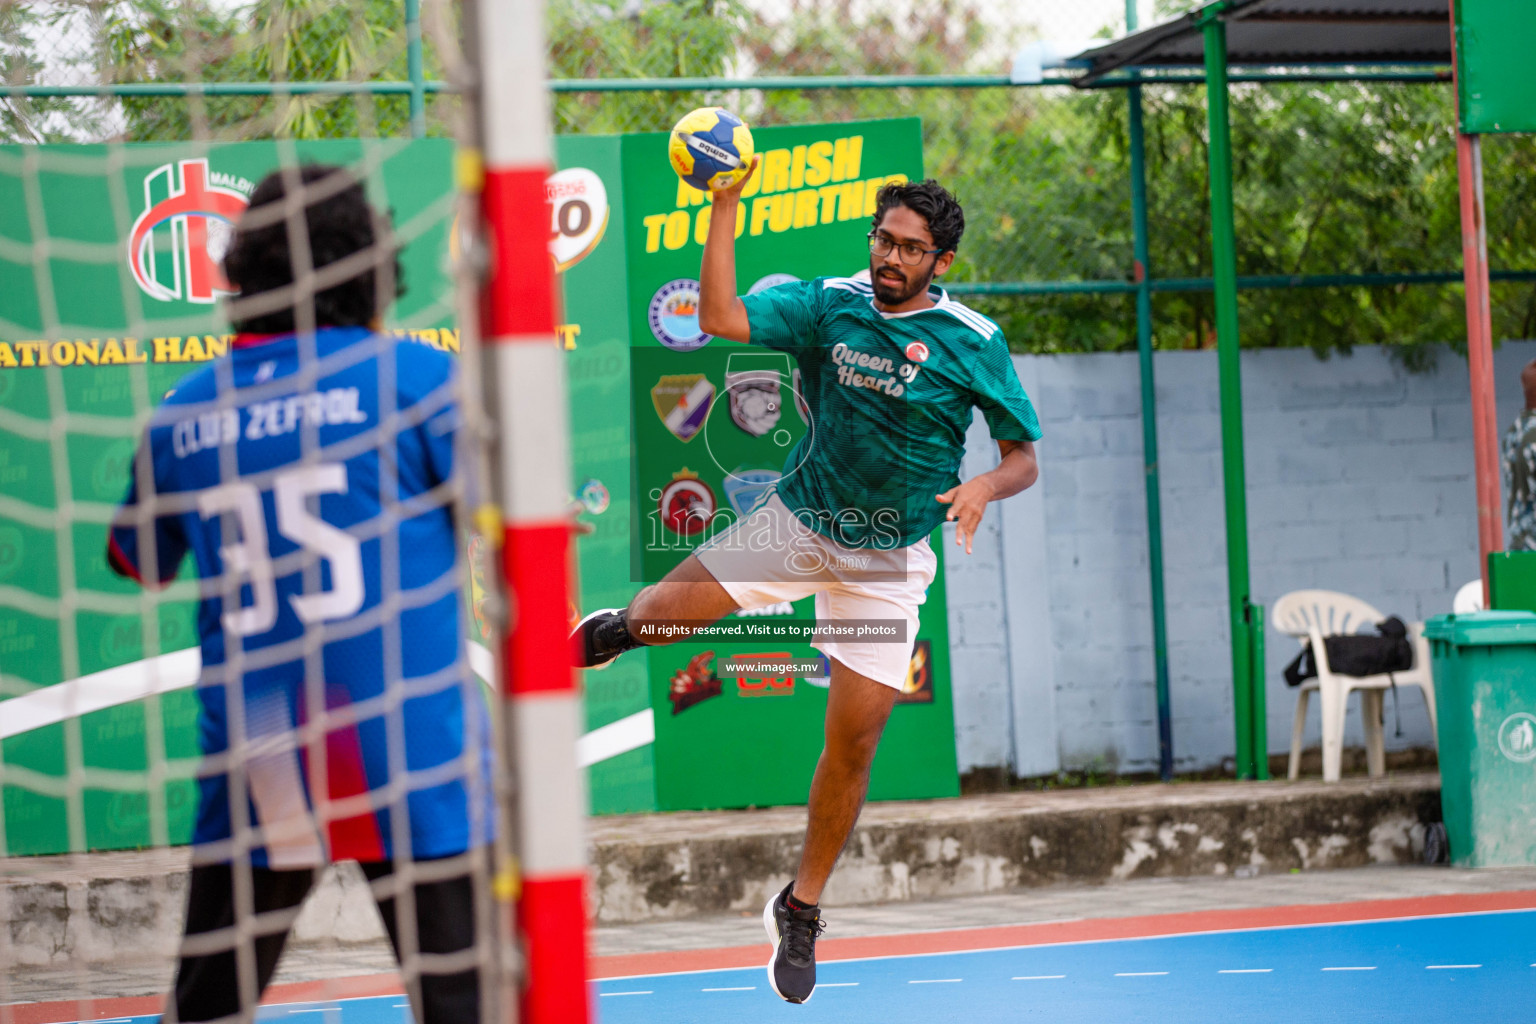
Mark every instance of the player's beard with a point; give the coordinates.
(915, 282)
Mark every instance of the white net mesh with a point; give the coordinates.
(309, 690)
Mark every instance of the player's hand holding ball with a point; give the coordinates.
(711, 149)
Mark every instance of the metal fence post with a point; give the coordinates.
(414, 70)
(1224, 275)
(1149, 421)
(1259, 713)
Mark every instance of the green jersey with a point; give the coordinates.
(888, 399)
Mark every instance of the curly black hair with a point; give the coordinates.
(932, 201)
(340, 225)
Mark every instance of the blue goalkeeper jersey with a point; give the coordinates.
(310, 486)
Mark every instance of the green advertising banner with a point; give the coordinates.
(709, 424)
(109, 293)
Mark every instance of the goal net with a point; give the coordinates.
(248, 636)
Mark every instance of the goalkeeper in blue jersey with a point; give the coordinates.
(310, 474)
(892, 369)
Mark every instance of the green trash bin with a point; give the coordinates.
(1484, 666)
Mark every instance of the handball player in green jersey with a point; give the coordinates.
(891, 370)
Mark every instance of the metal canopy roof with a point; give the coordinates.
(1288, 32)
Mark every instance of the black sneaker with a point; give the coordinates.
(792, 971)
(599, 638)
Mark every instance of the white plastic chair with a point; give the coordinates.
(1310, 615)
(1469, 598)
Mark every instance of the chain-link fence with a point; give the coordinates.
(1346, 191)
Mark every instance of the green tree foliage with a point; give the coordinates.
(623, 39)
(1341, 178)
(268, 41)
(23, 27)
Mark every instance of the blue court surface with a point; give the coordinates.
(1465, 968)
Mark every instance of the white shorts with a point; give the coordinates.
(770, 556)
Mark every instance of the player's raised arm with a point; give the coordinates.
(721, 312)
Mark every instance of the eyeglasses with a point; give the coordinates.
(912, 254)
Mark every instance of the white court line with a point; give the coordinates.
(1035, 947)
(605, 995)
(396, 1006)
(1247, 970)
(1349, 968)
(854, 984)
(317, 1009)
(1141, 974)
(743, 988)
(1452, 967)
(934, 981)
(1039, 977)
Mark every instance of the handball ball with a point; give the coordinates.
(711, 149)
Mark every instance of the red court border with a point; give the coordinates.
(955, 941)
(1080, 930)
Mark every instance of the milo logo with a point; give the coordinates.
(121, 641)
(109, 477)
(122, 638)
(12, 548)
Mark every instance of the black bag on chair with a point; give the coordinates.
(1361, 655)
(1358, 655)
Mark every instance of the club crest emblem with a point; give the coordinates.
(687, 504)
(744, 488)
(683, 402)
(917, 352)
(756, 402)
(674, 316)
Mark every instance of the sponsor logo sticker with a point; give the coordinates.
(694, 683)
(750, 685)
(578, 203)
(594, 496)
(674, 316)
(176, 245)
(918, 689)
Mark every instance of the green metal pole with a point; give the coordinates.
(1260, 717)
(1224, 275)
(414, 69)
(1149, 421)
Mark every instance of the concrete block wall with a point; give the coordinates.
(1359, 479)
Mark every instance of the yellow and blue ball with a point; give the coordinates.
(711, 149)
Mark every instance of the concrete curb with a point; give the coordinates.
(125, 907)
(678, 865)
